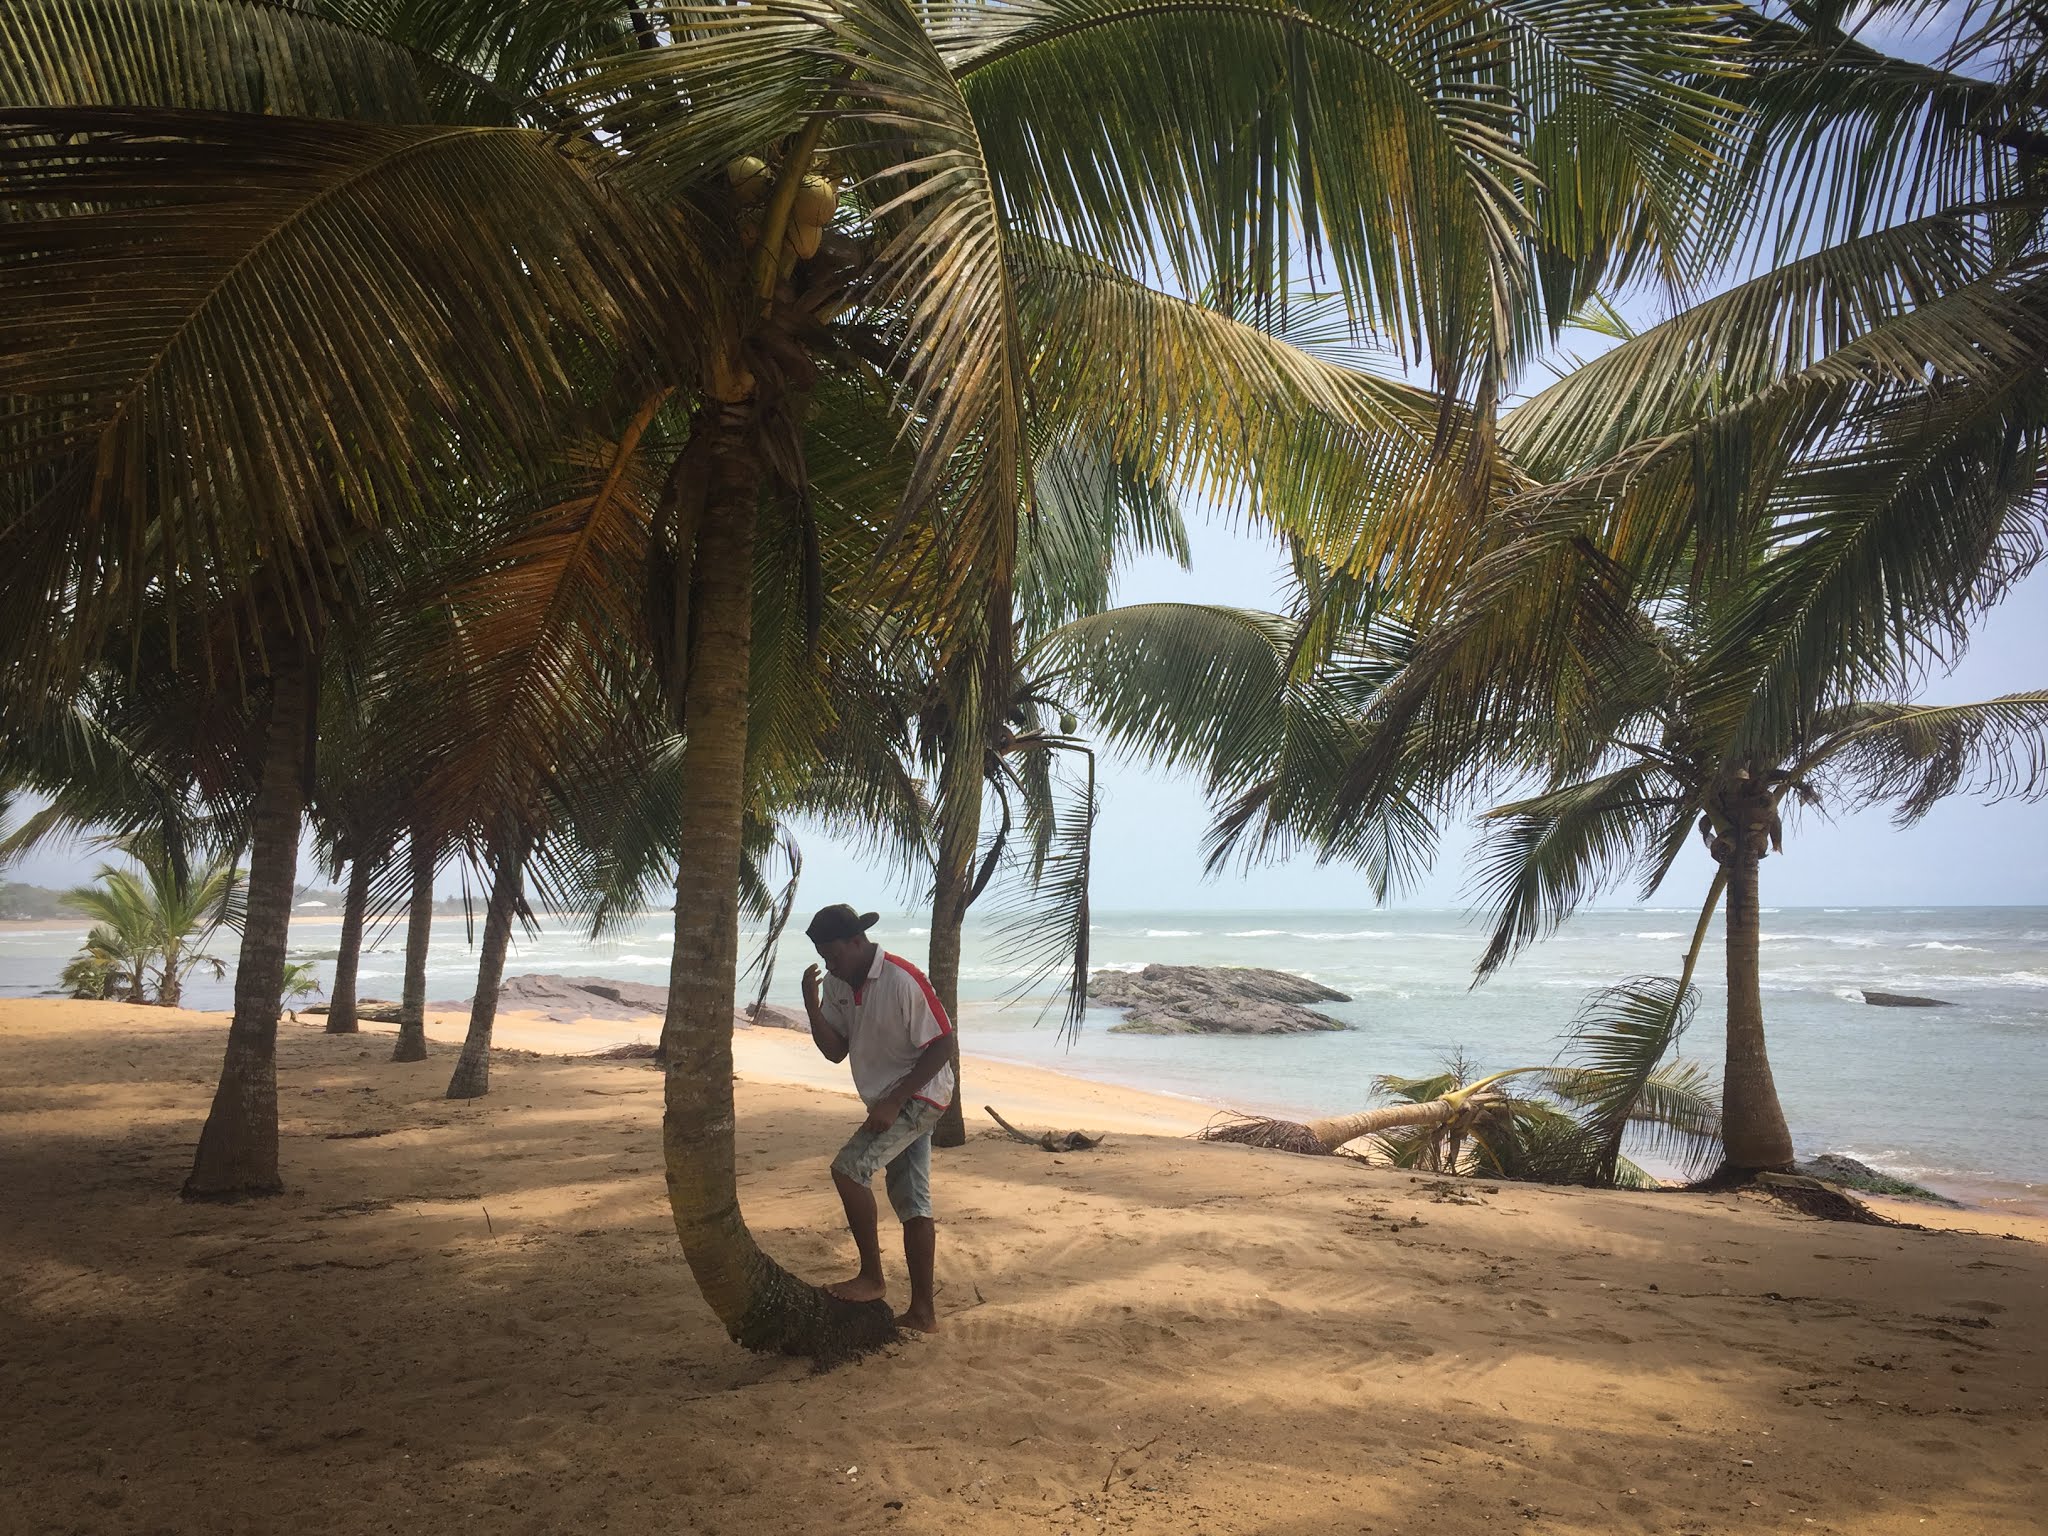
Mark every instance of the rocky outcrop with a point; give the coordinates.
(1213, 1000)
(567, 999)
(1850, 1174)
(580, 999)
(369, 1010)
(1902, 1000)
(768, 1016)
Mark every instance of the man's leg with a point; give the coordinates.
(864, 1153)
(920, 1239)
(909, 1178)
(859, 1201)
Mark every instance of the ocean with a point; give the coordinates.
(1956, 1098)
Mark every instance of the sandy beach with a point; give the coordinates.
(477, 1314)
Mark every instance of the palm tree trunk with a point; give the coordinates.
(1753, 1132)
(1334, 1133)
(959, 835)
(237, 1154)
(762, 1306)
(341, 1005)
(419, 930)
(170, 992)
(472, 1078)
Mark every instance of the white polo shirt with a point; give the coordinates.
(887, 1020)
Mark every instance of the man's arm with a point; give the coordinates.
(830, 1042)
(935, 1056)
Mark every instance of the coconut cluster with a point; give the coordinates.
(810, 215)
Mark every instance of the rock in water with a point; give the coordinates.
(1213, 1000)
(768, 1016)
(1850, 1174)
(1902, 1000)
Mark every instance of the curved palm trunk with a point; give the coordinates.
(1753, 1132)
(472, 1077)
(237, 1153)
(762, 1306)
(419, 930)
(959, 835)
(341, 1004)
(1336, 1132)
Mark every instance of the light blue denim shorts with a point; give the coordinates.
(904, 1150)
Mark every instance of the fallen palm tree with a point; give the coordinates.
(1450, 1115)
(1563, 1123)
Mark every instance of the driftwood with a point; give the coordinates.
(1050, 1141)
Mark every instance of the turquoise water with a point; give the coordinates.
(1956, 1096)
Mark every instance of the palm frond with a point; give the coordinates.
(1837, 138)
(1616, 1079)
(1428, 116)
(211, 55)
(1546, 854)
(1041, 924)
(791, 855)
(1352, 464)
(1917, 755)
(940, 281)
(233, 342)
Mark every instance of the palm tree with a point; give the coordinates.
(652, 190)
(151, 924)
(1091, 515)
(1627, 803)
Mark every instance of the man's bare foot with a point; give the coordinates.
(859, 1288)
(919, 1320)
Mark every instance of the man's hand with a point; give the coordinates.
(810, 986)
(883, 1115)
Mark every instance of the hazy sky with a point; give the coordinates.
(1149, 835)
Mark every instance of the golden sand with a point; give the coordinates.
(477, 1317)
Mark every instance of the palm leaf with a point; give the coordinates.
(1919, 754)
(1424, 115)
(213, 55)
(1548, 853)
(1041, 925)
(232, 342)
(1613, 1078)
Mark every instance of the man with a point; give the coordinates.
(878, 1009)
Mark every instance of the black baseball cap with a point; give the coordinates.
(839, 921)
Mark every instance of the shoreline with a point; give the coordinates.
(1984, 1193)
(1049, 1097)
(1034, 1097)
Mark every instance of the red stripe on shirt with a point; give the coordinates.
(931, 998)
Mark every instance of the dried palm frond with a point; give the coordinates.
(1258, 1131)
